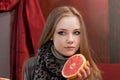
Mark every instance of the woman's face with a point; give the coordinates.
(66, 37)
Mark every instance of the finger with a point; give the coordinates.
(83, 73)
(79, 76)
(88, 63)
(87, 69)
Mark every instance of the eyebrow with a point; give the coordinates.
(66, 29)
(77, 29)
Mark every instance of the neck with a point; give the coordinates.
(58, 55)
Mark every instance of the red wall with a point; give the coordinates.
(95, 14)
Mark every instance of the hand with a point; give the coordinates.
(84, 73)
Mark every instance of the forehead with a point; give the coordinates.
(68, 22)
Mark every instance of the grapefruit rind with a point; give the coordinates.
(81, 67)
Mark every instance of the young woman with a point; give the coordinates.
(63, 36)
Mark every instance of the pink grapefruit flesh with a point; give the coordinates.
(73, 65)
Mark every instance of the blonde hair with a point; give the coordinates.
(53, 18)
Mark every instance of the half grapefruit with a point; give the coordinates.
(73, 66)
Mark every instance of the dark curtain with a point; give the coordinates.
(25, 33)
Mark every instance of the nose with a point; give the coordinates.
(70, 39)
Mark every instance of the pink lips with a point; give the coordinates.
(70, 47)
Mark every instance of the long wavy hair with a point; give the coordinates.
(48, 31)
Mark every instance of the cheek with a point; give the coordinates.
(56, 40)
(58, 44)
(78, 41)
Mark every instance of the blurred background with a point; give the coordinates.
(22, 21)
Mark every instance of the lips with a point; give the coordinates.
(70, 48)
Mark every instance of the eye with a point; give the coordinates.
(61, 32)
(77, 32)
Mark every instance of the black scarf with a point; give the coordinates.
(47, 67)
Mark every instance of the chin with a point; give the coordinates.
(69, 54)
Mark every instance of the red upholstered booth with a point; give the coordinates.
(110, 71)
